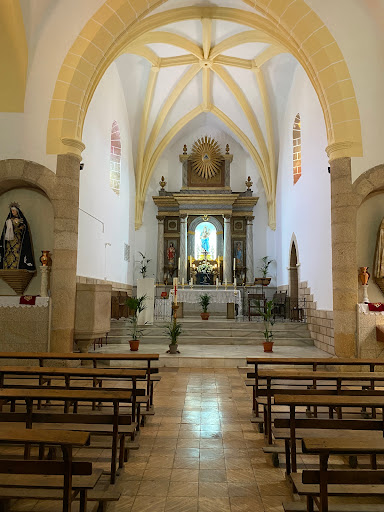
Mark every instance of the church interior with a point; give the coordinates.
(191, 255)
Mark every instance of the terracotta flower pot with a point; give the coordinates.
(268, 346)
(173, 348)
(134, 344)
(204, 316)
(263, 281)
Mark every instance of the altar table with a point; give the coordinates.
(220, 296)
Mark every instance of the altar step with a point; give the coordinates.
(216, 332)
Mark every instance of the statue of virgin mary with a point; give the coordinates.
(16, 252)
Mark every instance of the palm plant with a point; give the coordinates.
(268, 316)
(136, 305)
(205, 301)
(173, 331)
(264, 268)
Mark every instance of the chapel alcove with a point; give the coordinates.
(38, 211)
(369, 217)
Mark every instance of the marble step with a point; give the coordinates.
(218, 333)
(214, 340)
(213, 324)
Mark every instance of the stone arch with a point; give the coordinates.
(62, 189)
(369, 182)
(293, 24)
(219, 234)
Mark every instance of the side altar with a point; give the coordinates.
(205, 230)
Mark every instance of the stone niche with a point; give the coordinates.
(93, 313)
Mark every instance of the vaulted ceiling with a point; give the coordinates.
(173, 73)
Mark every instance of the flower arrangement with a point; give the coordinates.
(205, 267)
(143, 264)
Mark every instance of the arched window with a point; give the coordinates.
(115, 159)
(296, 149)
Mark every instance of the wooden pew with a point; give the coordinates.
(69, 395)
(93, 358)
(318, 485)
(314, 362)
(294, 401)
(45, 375)
(32, 471)
(307, 382)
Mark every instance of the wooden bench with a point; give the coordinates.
(97, 375)
(93, 358)
(294, 401)
(69, 395)
(317, 486)
(305, 382)
(72, 477)
(315, 363)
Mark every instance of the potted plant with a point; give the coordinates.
(173, 331)
(268, 316)
(143, 264)
(205, 300)
(264, 269)
(136, 305)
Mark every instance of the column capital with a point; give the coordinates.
(227, 217)
(160, 218)
(250, 219)
(183, 216)
(73, 146)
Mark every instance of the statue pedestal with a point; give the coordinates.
(93, 313)
(44, 285)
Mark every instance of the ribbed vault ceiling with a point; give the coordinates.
(173, 73)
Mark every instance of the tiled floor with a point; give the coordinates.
(198, 453)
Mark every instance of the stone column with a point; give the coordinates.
(249, 251)
(160, 250)
(65, 201)
(227, 263)
(44, 284)
(182, 271)
(344, 205)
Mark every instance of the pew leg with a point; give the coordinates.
(83, 500)
(373, 461)
(5, 505)
(287, 457)
(352, 460)
(310, 507)
(41, 451)
(122, 451)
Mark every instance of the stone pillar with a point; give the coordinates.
(249, 251)
(160, 250)
(44, 284)
(227, 263)
(182, 271)
(344, 204)
(65, 201)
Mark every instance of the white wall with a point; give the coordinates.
(170, 167)
(96, 197)
(369, 217)
(38, 211)
(304, 209)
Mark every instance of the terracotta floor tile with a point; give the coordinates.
(214, 505)
(185, 489)
(153, 488)
(212, 475)
(186, 463)
(185, 475)
(148, 504)
(246, 505)
(174, 504)
(213, 490)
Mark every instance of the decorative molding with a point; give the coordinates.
(76, 146)
(339, 150)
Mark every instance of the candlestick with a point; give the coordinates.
(234, 263)
(234, 282)
(179, 264)
(175, 295)
(182, 281)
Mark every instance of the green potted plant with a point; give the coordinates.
(143, 265)
(205, 301)
(136, 305)
(268, 316)
(173, 331)
(264, 269)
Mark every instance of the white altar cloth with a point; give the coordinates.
(13, 301)
(363, 308)
(220, 296)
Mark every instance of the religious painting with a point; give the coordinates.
(238, 252)
(171, 253)
(205, 241)
(238, 225)
(172, 225)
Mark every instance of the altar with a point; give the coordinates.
(218, 296)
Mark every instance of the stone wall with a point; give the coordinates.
(368, 346)
(320, 321)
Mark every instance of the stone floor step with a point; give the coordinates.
(214, 340)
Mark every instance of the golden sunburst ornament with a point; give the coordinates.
(206, 157)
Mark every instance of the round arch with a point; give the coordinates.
(292, 24)
(219, 234)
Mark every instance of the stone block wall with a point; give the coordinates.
(118, 287)
(368, 346)
(319, 321)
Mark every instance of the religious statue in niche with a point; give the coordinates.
(379, 258)
(171, 255)
(17, 264)
(204, 237)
